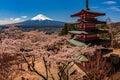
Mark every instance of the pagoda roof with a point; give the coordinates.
(88, 32)
(87, 11)
(77, 43)
(90, 43)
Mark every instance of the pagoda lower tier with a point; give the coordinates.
(87, 32)
(81, 38)
(79, 43)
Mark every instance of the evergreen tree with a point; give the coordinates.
(66, 28)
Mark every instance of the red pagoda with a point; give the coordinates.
(87, 32)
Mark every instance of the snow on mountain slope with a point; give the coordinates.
(41, 17)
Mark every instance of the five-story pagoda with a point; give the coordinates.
(87, 32)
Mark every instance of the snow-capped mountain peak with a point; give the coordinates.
(41, 17)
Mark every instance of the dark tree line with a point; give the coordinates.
(66, 28)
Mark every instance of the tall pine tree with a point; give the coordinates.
(66, 28)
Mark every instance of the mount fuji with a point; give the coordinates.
(42, 23)
(41, 17)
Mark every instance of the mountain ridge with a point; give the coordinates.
(42, 23)
(41, 17)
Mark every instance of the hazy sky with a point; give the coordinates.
(20, 10)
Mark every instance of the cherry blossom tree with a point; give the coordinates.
(114, 31)
(51, 50)
(98, 67)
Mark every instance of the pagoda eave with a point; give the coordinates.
(77, 43)
(88, 32)
(87, 12)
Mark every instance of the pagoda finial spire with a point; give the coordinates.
(87, 8)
